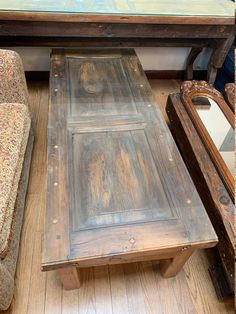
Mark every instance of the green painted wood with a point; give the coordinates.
(212, 8)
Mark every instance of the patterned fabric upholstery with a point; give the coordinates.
(13, 87)
(8, 264)
(7, 288)
(14, 132)
(14, 151)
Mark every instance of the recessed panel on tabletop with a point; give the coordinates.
(115, 181)
(98, 86)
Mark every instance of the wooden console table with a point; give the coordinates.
(118, 189)
(123, 23)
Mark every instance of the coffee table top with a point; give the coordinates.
(154, 10)
(117, 185)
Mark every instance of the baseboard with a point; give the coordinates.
(164, 74)
(174, 75)
(151, 74)
(37, 75)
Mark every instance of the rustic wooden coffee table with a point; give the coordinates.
(118, 190)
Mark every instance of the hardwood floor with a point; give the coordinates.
(136, 288)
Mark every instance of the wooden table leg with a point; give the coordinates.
(218, 56)
(170, 267)
(191, 58)
(69, 277)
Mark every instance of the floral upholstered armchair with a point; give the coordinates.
(16, 141)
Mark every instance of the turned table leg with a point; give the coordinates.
(69, 277)
(170, 267)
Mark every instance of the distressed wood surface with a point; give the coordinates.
(76, 30)
(69, 277)
(126, 288)
(230, 95)
(118, 189)
(111, 30)
(57, 192)
(139, 33)
(191, 90)
(171, 267)
(211, 187)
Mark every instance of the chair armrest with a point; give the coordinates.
(13, 88)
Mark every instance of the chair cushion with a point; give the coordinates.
(14, 132)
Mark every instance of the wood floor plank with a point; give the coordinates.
(36, 299)
(22, 283)
(178, 289)
(37, 191)
(136, 302)
(201, 288)
(118, 289)
(53, 300)
(87, 302)
(149, 287)
(70, 301)
(134, 288)
(39, 160)
(102, 290)
(165, 293)
(35, 93)
(169, 295)
(161, 90)
(28, 235)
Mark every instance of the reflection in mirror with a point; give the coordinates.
(218, 127)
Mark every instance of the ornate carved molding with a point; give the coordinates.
(230, 90)
(192, 87)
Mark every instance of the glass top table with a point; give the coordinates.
(127, 23)
(210, 8)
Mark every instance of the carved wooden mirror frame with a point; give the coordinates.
(193, 89)
(230, 91)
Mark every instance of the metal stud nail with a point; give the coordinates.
(224, 200)
(55, 184)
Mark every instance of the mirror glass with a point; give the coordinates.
(218, 127)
